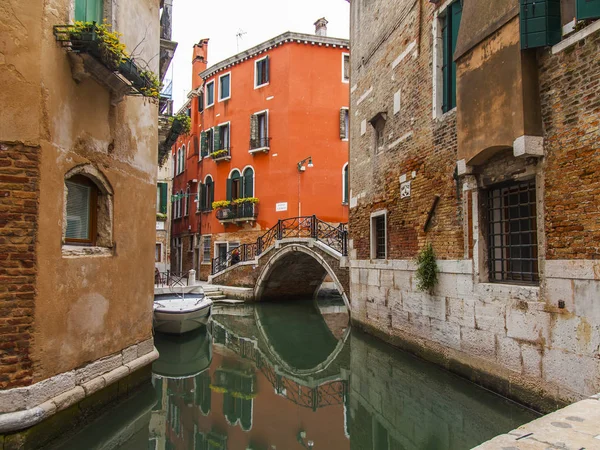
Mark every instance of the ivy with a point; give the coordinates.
(427, 269)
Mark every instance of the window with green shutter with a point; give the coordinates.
(588, 9)
(162, 197)
(540, 23)
(248, 188)
(203, 144)
(450, 27)
(210, 93)
(88, 10)
(345, 183)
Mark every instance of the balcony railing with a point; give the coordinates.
(261, 144)
(238, 212)
(223, 154)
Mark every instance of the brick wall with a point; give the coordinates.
(569, 85)
(19, 193)
(420, 147)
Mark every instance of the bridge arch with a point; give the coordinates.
(297, 271)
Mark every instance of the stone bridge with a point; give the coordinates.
(301, 254)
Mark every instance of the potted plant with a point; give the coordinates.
(219, 154)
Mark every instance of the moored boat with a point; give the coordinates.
(178, 314)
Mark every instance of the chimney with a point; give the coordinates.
(199, 62)
(321, 27)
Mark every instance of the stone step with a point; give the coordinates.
(216, 297)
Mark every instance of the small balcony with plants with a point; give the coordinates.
(223, 154)
(96, 50)
(260, 145)
(238, 210)
(171, 129)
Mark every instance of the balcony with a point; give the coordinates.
(238, 212)
(261, 144)
(223, 154)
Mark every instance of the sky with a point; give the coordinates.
(260, 20)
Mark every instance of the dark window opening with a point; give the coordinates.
(262, 72)
(512, 233)
(379, 239)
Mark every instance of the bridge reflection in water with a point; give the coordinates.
(288, 376)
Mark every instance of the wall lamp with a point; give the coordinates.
(302, 167)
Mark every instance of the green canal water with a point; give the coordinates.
(291, 376)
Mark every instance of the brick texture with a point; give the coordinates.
(570, 86)
(19, 175)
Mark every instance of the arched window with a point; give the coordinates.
(174, 166)
(248, 186)
(178, 166)
(187, 202)
(183, 155)
(345, 184)
(208, 194)
(180, 207)
(199, 197)
(88, 208)
(234, 185)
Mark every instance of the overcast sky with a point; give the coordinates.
(261, 20)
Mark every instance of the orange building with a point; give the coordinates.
(268, 141)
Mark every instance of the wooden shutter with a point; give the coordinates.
(259, 73)
(343, 130)
(456, 14)
(89, 10)
(229, 182)
(346, 186)
(540, 22)
(248, 183)
(203, 144)
(588, 9)
(202, 199)
(267, 77)
(163, 197)
(254, 131)
(217, 139)
(211, 194)
(201, 102)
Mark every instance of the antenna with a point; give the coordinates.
(239, 35)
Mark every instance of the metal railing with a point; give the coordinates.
(238, 211)
(335, 237)
(170, 279)
(260, 142)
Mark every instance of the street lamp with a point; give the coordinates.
(301, 167)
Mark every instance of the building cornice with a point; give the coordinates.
(285, 38)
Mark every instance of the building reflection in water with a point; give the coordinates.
(285, 376)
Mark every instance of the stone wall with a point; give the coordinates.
(569, 87)
(19, 195)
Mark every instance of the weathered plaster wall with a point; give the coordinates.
(86, 306)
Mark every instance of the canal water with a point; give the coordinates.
(293, 375)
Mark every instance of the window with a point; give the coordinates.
(345, 67)
(182, 156)
(345, 188)
(259, 130)
(207, 194)
(158, 252)
(210, 93)
(450, 23)
(225, 87)
(221, 137)
(512, 233)
(191, 236)
(161, 198)
(82, 197)
(206, 143)
(379, 235)
(261, 72)
(234, 186)
(248, 186)
(206, 249)
(378, 123)
(89, 11)
(344, 124)
(201, 102)
(187, 202)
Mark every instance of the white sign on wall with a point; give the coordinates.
(281, 206)
(160, 225)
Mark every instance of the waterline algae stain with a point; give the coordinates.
(289, 375)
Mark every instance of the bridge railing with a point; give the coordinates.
(335, 237)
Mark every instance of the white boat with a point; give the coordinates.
(178, 314)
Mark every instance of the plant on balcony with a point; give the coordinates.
(180, 123)
(218, 154)
(152, 86)
(218, 389)
(427, 269)
(161, 217)
(243, 396)
(239, 201)
(221, 204)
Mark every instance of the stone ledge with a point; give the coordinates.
(29, 397)
(19, 420)
(78, 251)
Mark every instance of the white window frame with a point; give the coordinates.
(348, 124)
(210, 142)
(183, 157)
(222, 124)
(204, 261)
(343, 57)
(230, 86)
(160, 254)
(372, 240)
(258, 86)
(266, 113)
(207, 105)
(345, 201)
(438, 61)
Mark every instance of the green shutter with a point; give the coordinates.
(588, 9)
(248, 183)
(203, 144)
(540, 23)
(229, 181)
(446, 62)
(346, 186)
(267, 70)
(211, 193)
(88, 10)
(449, 37)
(456, 12)
(163, 197)
(202, 199)
(217, 139)
(201, 102)
(259, 73)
